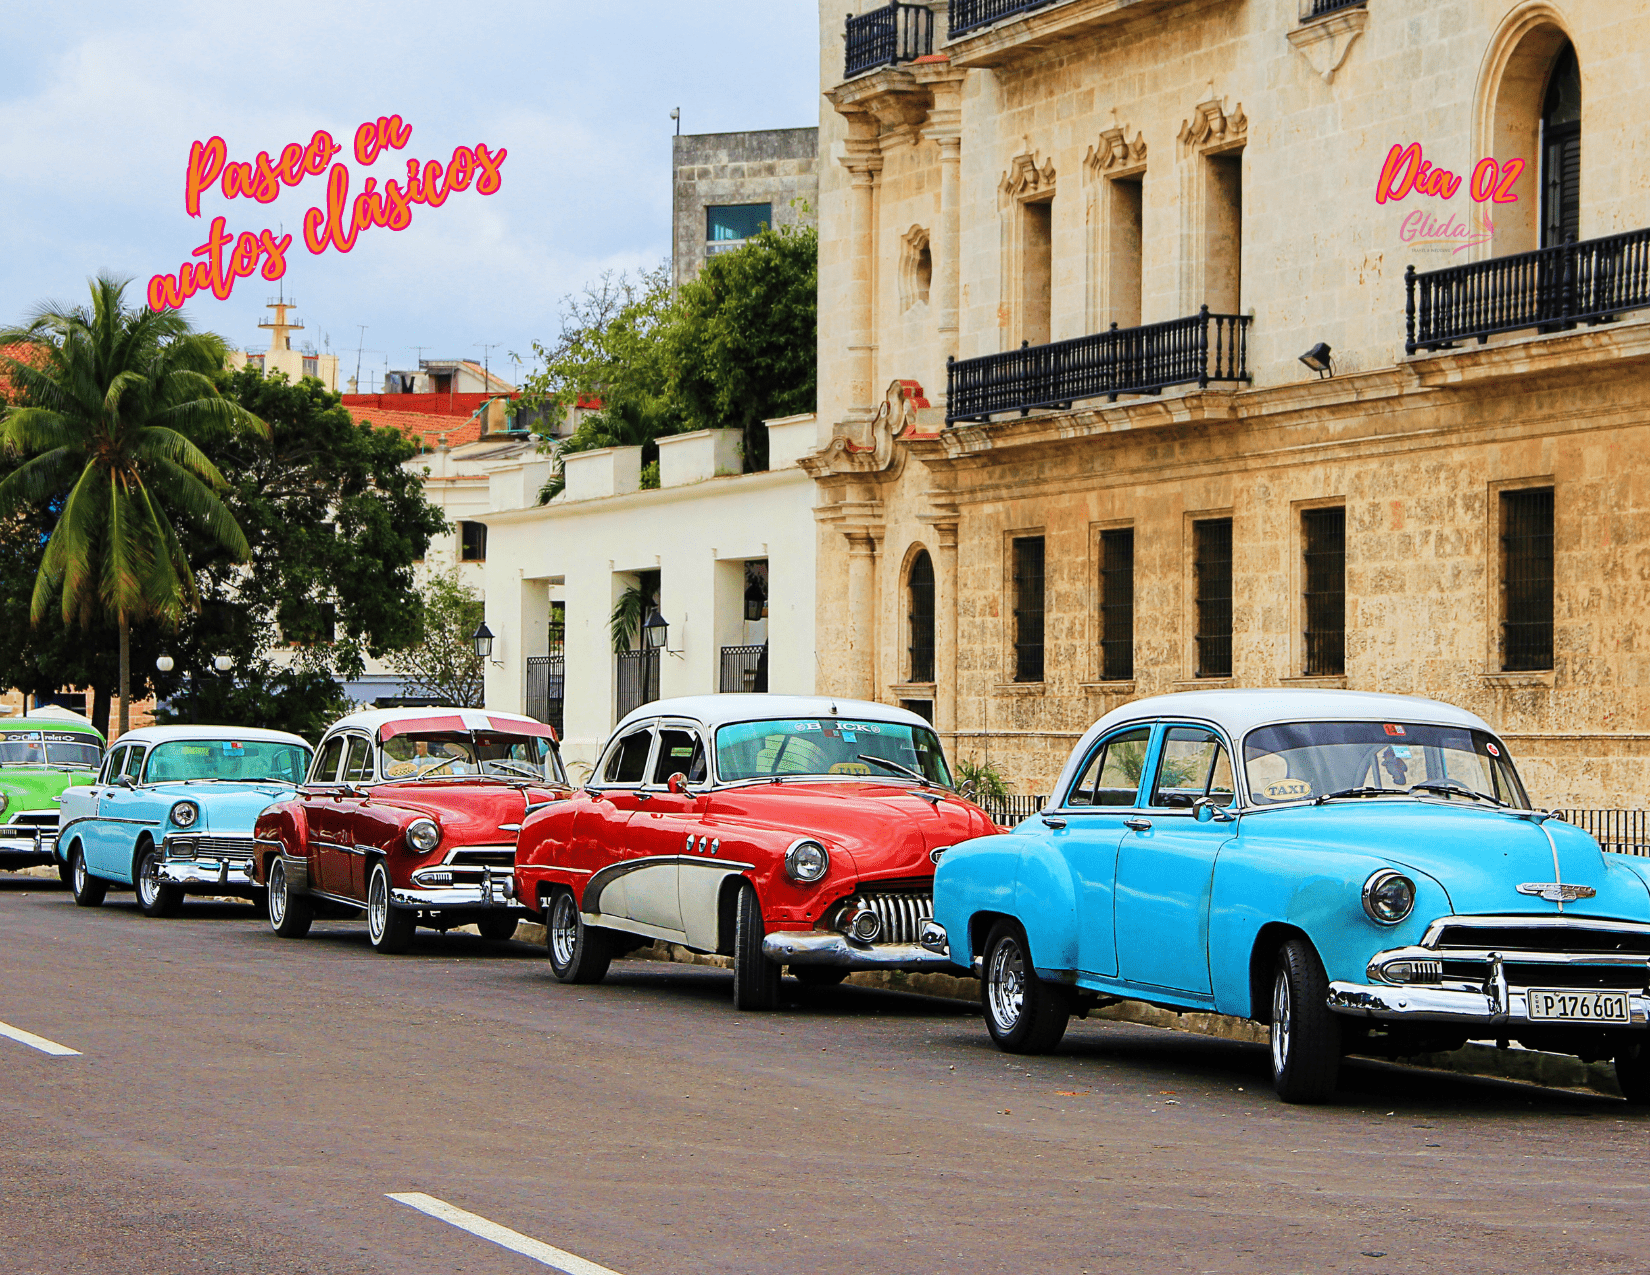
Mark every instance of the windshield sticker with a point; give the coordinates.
(1400, 750)
(230, 746)
(870, 728)
(1394, 730)
(801, 726)
(849, 768)
(1494, 751)
(1287, 790)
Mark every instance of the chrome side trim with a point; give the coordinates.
(1496, 1006)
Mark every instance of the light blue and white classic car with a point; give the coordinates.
(172, 812)
(1362, 872)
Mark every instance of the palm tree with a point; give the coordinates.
(115, 402)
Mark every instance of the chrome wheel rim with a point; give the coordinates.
(277, 895)
(1280, 1022)
(378, 905)
(1006, 985)
(79, 873)
(564, 931)
(149, 880)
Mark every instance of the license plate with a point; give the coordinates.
(1558, 1005)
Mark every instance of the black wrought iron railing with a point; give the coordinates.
(1550, 289)
(638, 681)
(963, 16)
(1319, 8)
(1011, 810)
(546, 686)
(887, 36)
(744, 670)
(1145, 360)
(1618, 831)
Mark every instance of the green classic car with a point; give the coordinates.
(40, 756)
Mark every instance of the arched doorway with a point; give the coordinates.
(1529, 94)
(919, 590)
(1561, 152)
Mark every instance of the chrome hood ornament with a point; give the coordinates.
(1557, 891)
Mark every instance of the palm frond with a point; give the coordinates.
(38, 479)
(156, 443)
(195, 499)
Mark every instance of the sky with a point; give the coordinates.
(100, 102)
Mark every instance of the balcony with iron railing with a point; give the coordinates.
(963, 16)
(1311, 9)
(1199, 350)
(888, 36)
(1548, 290)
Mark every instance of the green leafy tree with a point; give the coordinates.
(112, 421)
(443, 663)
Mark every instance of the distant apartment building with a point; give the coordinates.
(729, 185)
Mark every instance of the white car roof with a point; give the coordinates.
(719, 710)
(164, 734)
(1240, 711)
(482, 719)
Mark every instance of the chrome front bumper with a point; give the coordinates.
(1492, 1008)
(494, 890)
(823, 947)
(221, 872)
(20, 841)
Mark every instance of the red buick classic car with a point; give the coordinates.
(782, 831)
(411, 814)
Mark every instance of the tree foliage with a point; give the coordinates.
(442, 664)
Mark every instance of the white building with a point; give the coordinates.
(281, 357)
(706, 538)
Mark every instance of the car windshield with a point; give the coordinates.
(828, 746)
(49, 748)
(1302, 760)
(227, 760)
(444, 754)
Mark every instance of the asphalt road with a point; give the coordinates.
(243, 1103)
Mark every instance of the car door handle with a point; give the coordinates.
(1139, 825)
(644, 796)
(1054, 822)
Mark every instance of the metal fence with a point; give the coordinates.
(546, 686)
(1550, 289)
(638, 681)
(1011, 810)
(1198, 349)
(1619, 831)
(963, 16)
(1318, 8)
(744, 670)
(886, 36)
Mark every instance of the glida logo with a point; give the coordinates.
(1407, 171)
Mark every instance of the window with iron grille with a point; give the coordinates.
(920, 585)
(1212, 566)
(1117, 604)
(1323, 551)
(1527, 580)
(1028, 609)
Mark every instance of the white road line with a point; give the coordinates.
(503, 1236)
(37, 1042)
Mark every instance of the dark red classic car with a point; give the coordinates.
(411, 814)
(779, 830)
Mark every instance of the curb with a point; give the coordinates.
(1557, 1071)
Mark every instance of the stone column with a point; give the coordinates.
(862, 274)
(862, 620)
(945, 629)
(944, 128)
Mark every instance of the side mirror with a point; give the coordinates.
(1208, 812)
(125, 781)
(677, 783)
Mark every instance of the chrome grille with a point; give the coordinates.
(499, 858)
(901, 915)
(32, 819)
(1547, 936)
(211, 847)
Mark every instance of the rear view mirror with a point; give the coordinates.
(677, 783)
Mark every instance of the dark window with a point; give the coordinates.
(358, 766)
(1037, 272)
(326, 768)
(441, 382)
(736, 221)
(1117, 604)
(921, 616)
(472, 541)
(558, 629)
(1112, 775)
(681, 752)
(1028, 609)
(1323, 548)
(1527, 579)
(628, 762)
(923, 708)
(1561, 153)
(1212, 564)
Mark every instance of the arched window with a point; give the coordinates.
(920, 595)
(1561, 152)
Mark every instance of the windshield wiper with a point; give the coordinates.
(897, 769)
(1451, 785)
(515, 767)
(1365, 791)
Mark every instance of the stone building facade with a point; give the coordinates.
(726, 184)
(1027, 541)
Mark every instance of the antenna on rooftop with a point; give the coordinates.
(486, 376)
(676, 115)
(363, 341)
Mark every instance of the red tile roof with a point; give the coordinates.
(422, 426)
(429, 404)
(31, 354)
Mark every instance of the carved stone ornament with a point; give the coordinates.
(1325, 43)
(1114, 150)
(1026, 177)
(868, 447)
(1211, 127)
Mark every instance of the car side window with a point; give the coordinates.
(1112, 775)
(1194, 764)
(680, 752)
(358, 767)
(326, 769)
(115, 764)
(134, 762)
(627, 763)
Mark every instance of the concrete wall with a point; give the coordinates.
(776, 166)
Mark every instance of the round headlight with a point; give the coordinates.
(1388, 897)
(4, 802)
(423, 835)
(185, 813)
(807, 862)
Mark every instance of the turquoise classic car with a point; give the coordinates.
(172, 813)
(41, 755)
(1363, 873)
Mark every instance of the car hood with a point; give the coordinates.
(1479, 856)
(226, 809)
(469, 813)
(28, 789)
(887, 829)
